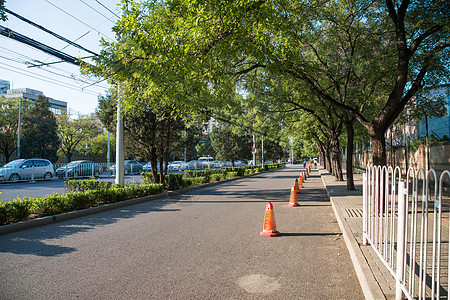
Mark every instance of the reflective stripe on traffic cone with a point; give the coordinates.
(293, 201)
(270, 228)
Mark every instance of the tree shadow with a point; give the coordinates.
(33, 241)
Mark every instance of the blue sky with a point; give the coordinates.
(87, 23)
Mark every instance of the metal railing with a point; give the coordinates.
(396, 223)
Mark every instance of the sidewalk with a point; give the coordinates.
(376, 281)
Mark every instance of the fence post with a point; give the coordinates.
(400, 239)
(32, 175)
(365, 209)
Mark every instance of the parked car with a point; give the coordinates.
(239, 163)
(194, 165)
(206, 162)
(177, 166)
(26, 169)
(130, 167)
(79, 168)
(215, 164)
(147, 167)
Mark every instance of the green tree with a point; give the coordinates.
(73, 132)
(3, 16)
(96, 145)
(9, 122)
(39, 131)
(151, 132)
(204, 147)
(229, 145)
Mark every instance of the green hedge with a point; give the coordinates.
(173, 181)
(83, 194)
(22, 209)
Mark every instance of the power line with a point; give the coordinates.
(14, 60)
(107, 9)
(49, 31)
(71, 76)
(109, 19)
(15, 52)
(26, 40)
(57, 7)
(49, 80)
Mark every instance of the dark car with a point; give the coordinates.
(79, 168)
(130, 167)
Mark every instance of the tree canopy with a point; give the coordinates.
(365, 58)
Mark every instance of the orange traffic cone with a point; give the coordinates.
(270, 228)
(300, 183)
(304, 176)
(294, 200)
(296, 186)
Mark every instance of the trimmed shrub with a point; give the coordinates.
(87, 185)
(88, 193)
(173, 181)
(50, 205)
(232, 174)
(15, 211)
(216, 177)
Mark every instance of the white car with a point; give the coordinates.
(206, 162)
(27, 169)
(178, 165)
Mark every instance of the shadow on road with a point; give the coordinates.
(38, 241)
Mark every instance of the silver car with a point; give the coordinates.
(194, 165)
(178, 165)
(27, 169)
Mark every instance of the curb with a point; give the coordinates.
(9, 228)
(369, 284)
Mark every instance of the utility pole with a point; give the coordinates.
(19, 127)
(119, 143)
(254, 152)
(185, 135)
(262, 150)
(109, 150)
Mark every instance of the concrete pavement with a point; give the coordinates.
(375, 279)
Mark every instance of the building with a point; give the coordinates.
(56, 106)
(437, 127)
(207, 127)
(4, 86)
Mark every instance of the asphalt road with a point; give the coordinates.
(201, 245)
(13, 190)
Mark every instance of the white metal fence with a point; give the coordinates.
(406, 220)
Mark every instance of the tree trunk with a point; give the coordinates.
(322, 153)
(378, 142)
(154, 164)
(327, 157)
(336, 168)
(349, 164)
